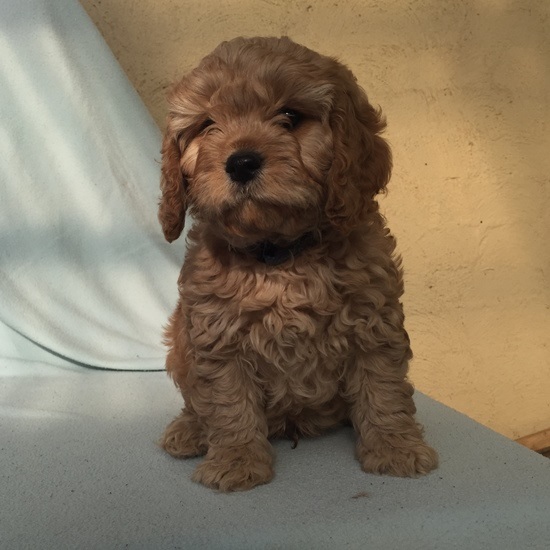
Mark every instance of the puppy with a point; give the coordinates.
(289, 319)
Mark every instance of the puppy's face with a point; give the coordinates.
(256, 156)
(267, 140)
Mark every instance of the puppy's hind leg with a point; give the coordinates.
(184, 436)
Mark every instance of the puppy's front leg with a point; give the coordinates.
(382, 411)
(239, 454)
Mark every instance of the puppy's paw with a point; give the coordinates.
(235, 469)
(183, 438)
(402, 462)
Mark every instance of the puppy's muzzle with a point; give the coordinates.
(243, 166)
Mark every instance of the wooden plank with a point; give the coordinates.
(539, 441)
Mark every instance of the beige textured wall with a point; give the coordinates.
(465, 86)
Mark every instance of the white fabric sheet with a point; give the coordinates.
(85, 275)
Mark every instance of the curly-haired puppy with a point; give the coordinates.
(289, 321)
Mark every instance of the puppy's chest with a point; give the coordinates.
(294, 330)
(290, 336)
(300, 341)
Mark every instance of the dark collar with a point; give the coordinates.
(273, 254)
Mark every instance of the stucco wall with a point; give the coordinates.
(465, 85)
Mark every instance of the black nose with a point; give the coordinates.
(243, 166)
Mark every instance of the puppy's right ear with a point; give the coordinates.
(173, 200)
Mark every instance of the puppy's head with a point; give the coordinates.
(267, 139)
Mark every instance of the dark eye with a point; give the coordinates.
(291, 118)
(208, 122)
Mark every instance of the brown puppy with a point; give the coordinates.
(289, 320)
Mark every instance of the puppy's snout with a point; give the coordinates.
(243, 166)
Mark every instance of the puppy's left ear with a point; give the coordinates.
(173, 200)
(362, 163)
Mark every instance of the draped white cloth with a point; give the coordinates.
(85, 275)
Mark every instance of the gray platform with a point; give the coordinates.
(80, 469)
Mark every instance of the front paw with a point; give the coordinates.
(413, 461)
(235, 469)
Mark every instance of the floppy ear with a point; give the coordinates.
(361, 165)
(173, 201)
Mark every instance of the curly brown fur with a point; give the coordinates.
(258, 350)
